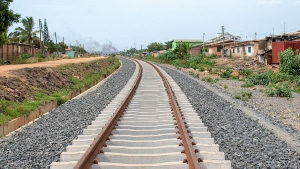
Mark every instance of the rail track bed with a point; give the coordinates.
(149, 124)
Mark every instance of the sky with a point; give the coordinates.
(132, 23)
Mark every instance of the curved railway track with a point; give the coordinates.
(150, 124)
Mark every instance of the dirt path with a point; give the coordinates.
(4, 70)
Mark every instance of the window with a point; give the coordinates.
(249, 50)
(238, 50)
(219, 49)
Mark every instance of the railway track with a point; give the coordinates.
(150, 124)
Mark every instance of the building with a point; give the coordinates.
(70, 52)
(190, 42)
(226, 36)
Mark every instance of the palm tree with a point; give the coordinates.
(26, 34)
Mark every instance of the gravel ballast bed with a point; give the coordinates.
(41, 143)
(245, 142)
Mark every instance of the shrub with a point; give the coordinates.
(262, 79)
(167, 56)
(226, 73)
(243, 95)
(281, 90)
(296, 82)
(201, 69)
(210, 80)
(25, 56)
(245, 72)
(40, 55)
(281, 77)
(248, 84)
(61, 101)
(289, 62)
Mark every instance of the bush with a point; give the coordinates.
(296, 82)
(243, 95)
(248, 84)
(226, 73)
(289, 62)
(262, 79)
(40, 55)
(201, 69)
(281, 90)
(167, 56)
(25, 56)
(245, 72)
(210, 80)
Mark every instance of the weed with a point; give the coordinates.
(262, 79)
(243, 95)
(281, 90)
(210, 80)
(248, 84)
(245, 72)
(226, 73)
(225, 87)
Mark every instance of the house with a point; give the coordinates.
(214, 46)
(245, 49)
(190, 42)
(157, 53)
(70, 52)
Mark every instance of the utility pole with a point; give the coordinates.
(223, 41)
(63, 45)
(203, 43)
(56, 44)
(255, 35)
(284, 28)
(41, 27)
(273, 31)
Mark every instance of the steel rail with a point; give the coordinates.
(187, 144)
(89, 156)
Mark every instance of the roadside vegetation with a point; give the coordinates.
(41, 85)
(279, 84)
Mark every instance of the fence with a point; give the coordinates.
(9, 52)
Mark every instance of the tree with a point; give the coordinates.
(7, 18)
(46, 36)
(155, 46)
(61, 47)
(169, 44)
(52, 47)
(182, 50)
(26, 34)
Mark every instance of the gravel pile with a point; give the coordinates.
(246, 143)
(41, 143)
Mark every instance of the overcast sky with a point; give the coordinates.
(129, 22)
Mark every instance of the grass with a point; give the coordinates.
(243, 95)
(10, 110)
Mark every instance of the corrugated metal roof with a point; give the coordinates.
(188, 40)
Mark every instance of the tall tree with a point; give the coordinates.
(155, 46)
(7, 18)
(169, 44)
(26, 34)
(46, 33)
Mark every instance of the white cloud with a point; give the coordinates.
(268, 2)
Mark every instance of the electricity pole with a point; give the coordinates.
(255, 35)
(56, 44)
(284, 28)
(41, 27)
(223, 41)
(203, 43)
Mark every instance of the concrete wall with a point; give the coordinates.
(194, 51)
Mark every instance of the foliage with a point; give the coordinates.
(226, 73)
(262, 79)
(245, 72)
(168, 56)
(297, 82)
(26, 34)
(243, 95)
(210, 80)
(289, 62)
(52, 47)
(248, 84)
(7, 18)
(155, 46)
(61, 47)
(169, 44)
(182, 50)
(194, 74)
(46, 35)
(281, 90)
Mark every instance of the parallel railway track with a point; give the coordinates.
(150, 124)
